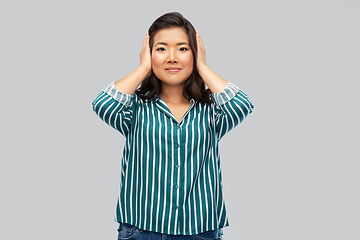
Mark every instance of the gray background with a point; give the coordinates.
(290, 170)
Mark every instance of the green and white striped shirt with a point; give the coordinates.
(170, 178)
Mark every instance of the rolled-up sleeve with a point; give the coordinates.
(114, 108)
(232, 106)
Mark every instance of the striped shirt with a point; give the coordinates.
(170, 179)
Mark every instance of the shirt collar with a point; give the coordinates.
(158, 97)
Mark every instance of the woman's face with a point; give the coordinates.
(172, 58)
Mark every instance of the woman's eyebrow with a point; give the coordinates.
(181, 43)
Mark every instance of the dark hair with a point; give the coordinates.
(195, 86)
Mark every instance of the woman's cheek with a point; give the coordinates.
(189, 61)
(156, 60)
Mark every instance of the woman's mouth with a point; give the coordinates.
(173, 70)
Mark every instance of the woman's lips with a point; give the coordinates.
(172, 70)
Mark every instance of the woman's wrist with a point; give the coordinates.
(202, 67)
(211, 79)
(145, 68)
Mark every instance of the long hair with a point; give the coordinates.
(194, 86)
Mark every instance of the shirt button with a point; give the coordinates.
(177, 145)
(177, 166)
(178, 126)
(176, 207)
(176, 186)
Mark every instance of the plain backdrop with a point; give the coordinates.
(290, 170)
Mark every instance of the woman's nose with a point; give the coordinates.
(172, 57)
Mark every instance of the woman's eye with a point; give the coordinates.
(161, 49)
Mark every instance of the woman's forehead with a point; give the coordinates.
(171, 36)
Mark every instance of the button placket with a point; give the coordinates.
(176, 131)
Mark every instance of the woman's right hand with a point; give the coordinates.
(145, 56)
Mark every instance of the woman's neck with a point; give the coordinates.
(173, 94)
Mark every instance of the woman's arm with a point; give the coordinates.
(130, 82)
(232, 105)
(114, 108)
(114, 103)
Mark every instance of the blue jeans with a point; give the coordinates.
(129, 232)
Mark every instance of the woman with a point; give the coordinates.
(171, 180)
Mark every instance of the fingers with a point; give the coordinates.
(145, 56)
(201, 50)
(199, 40)
(146, 40)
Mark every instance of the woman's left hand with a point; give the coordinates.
(201, 53)
(212, 80)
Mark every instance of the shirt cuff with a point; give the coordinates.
(230, 91)
(122, 98)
